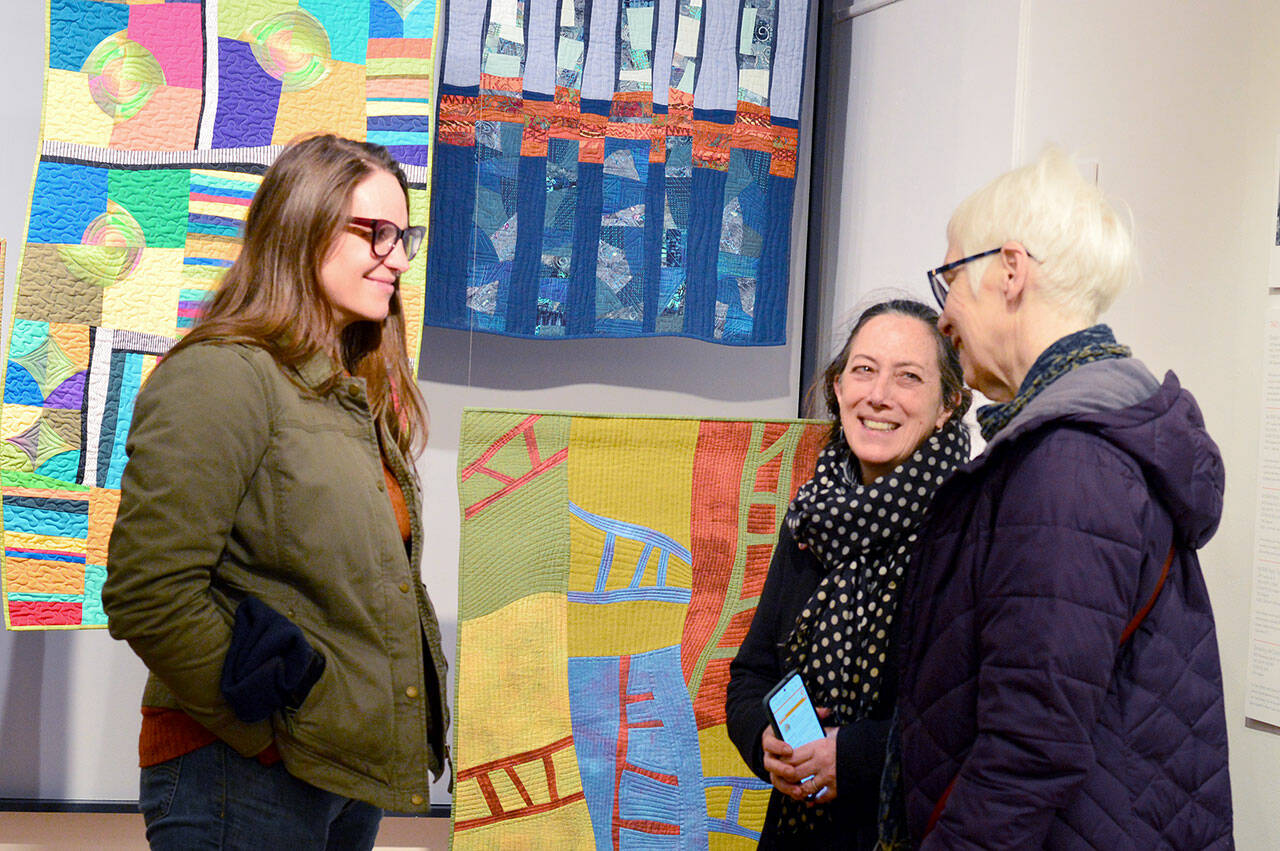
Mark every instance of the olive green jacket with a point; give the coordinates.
(240, 482)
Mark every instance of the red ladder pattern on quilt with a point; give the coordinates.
(733, 543)
(623, 765)
(508, 766)
(537, 466)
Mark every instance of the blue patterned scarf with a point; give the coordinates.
(1073, 350)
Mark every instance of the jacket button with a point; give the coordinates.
(416, 800)
(411, 691)
(404, 587)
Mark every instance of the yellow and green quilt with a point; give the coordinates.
(610, 567)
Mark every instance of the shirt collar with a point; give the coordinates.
(318, 370)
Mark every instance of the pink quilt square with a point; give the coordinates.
(173, 34)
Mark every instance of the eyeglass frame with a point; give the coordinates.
(941, 288)
(417, 232)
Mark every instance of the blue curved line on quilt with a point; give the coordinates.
(632, 531)
(729, 824)
(719, 825)
(652, 539)
(621, 595)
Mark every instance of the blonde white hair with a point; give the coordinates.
(1081, 241)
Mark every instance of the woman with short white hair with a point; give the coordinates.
(1060, 684)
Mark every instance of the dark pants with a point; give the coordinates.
(213, 798)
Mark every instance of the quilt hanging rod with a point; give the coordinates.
(857, 9)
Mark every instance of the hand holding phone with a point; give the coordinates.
(794, 719)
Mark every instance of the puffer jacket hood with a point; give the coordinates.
(1158, 425)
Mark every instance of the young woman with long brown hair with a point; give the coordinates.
(264, 560)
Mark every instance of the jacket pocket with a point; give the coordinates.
(343, 722)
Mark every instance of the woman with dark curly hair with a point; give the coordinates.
(895, 399)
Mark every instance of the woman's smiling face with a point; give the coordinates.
(358, 283)
(890, 392)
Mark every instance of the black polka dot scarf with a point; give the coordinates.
(863, 535)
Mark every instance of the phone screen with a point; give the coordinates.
(794, 717)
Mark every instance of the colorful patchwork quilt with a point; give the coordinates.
(617, 168)
(159, 119)
(610, 568)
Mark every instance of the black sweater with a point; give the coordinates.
(794, 575)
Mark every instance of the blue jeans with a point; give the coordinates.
(213, 798)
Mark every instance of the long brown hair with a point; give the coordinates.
(271, 295)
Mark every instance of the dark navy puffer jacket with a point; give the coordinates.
(1015, 691)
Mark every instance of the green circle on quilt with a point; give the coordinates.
(123, 75)
(291, 46)
(109, 251)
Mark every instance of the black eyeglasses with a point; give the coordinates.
(937, 277)
(383, 236)
(940, 285)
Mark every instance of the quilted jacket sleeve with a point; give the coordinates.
(200, 428)
(860, 746)
(1058, 583)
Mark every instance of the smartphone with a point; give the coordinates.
(794, 718)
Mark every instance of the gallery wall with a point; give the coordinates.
(69, 699)
(1177, 104)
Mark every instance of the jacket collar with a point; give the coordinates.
(1093, 388)
(1159, 426)
(318, 370)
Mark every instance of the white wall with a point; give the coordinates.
(1179, 105)
(919, 112)
(1177, 102)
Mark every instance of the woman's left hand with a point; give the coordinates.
(817, 758)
